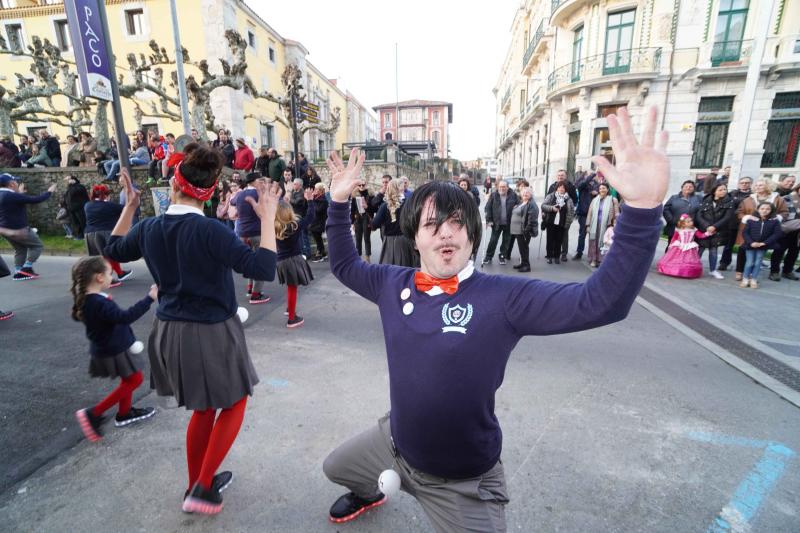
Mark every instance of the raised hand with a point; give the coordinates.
(641, 174)
(132, 195)
(308, 194)
(51, 188)
(344, 179)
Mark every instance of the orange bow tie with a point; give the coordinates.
(425, 282)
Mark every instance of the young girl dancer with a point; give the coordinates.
(111, 337)
(293, 269)
(197, 347)
(682, 259)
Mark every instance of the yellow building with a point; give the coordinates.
(134, 23)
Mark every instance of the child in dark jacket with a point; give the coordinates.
(292, 268)
(760, 234)
(113, 347)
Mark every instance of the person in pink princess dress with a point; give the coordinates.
(682, 259)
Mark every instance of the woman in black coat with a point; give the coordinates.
(317, 227)
(74, 200)
(714, 218)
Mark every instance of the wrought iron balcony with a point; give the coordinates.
(534, 42)
(633, 61)
(506, 100)
(736, 52)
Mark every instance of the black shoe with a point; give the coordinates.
(319, 258)
(501, 260)
(134, 415)
(5, 315)
(126, 274)
(517, 267)
(722, 268)
(350, 506)
(90, 424)
(25, 273)
(549, 261)
(203, 501)
(295, 322)
(577, 256)
(524, 268)
(220, 482)
(486, 262)
(259, 298)
(774, 276)
(557, 260)
(788, 275)
(564, 258)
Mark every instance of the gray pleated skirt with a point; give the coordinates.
(204, 366)
(96, 241)
(294, 271)
(398, 250)
(121, 365)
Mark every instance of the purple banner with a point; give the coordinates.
(91, 56)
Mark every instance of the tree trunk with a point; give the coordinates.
(6, 124)
(101, 126)
(198, 119)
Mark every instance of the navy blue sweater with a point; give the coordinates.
(190, 258)
(291, 245)
(448, 357)
(101, 216)
(108, 327)
(249, 223)
(766, 231)
(13, 208)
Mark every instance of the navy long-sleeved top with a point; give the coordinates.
(101, 216)
(190, 257)
(291, 245)
(382, 218)
(766, 231)
(13, 208)
(108, 326)
(447, 358)
(249, 223)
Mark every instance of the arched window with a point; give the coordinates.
(388, 136)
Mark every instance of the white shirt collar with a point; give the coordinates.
(181, 209)
(464, 274)
(6, 189)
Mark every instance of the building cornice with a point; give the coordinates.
(47, 10)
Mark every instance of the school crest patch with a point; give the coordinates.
(456, 318)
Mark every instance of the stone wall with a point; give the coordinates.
(43, 215)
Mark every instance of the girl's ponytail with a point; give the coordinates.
(82, 273)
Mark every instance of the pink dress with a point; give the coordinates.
(682, 259)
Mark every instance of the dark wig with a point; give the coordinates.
(448, 202)
(201, 166)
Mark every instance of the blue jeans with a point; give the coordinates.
(112, 167)
(752, 266)
(713, 254)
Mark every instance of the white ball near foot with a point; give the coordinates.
(389, 483)
(137, 347)
(243, 313)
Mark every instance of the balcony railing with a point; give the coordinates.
(533, 43)
(506, 99)
(555, 4)
(730, 52)
(635, 61)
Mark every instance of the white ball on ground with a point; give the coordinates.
(389, 483)
(137, 347)
(243, 313)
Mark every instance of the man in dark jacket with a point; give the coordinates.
(744, 190)
(75, 199)
(572, 191)
(685, 201)
(498, 217)
(587, 185)
(49, 145)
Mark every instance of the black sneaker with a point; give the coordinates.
(295, 322)
(5, 315)
(259, 298)
(486, 262)
(220, 482)
(564, 258)
(126, 274)
(722, 268)
(200, 500)
(501, 260)
(774, 276)
(319, 259)
(350, 506)
(24, 274)
(577, 256)
(788, 275)
(90, 424)
(517, 267)
(134, 415)
(115, 283)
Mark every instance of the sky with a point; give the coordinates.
(447, 49)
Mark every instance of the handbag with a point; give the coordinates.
(791, 225)
(62, 215)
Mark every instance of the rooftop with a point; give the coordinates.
(418, 103)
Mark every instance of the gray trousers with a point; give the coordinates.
(27, 245)
(255, 244)
(473, 504)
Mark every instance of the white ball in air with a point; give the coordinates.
(137, 347)
(389, 482)
(243, 313)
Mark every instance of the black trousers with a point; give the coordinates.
(741, 258)
(362, 234)
(77, 218)
(317, 235)
(555, 238)
(786, 246)
(523, 241)
(497, 231)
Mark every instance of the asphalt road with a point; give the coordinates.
(632, 427)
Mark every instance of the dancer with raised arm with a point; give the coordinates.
(450, 329)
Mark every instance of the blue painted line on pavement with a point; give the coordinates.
(753, 490)
(277, 383)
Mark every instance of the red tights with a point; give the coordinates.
(291, 300)
(208, 442)
(121, 395)
(115, 266)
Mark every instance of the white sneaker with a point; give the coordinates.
(716, 274)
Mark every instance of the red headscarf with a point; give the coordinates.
(199, 193)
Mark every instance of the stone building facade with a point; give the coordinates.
(419, 121)
(572, 62)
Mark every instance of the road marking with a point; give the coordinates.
(737, 515)
(277, 383)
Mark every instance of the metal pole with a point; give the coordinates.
(176, 34)
(751, 85)
(119, 125)
(293, 97)
(396, 113)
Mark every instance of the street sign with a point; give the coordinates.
(309, 105)
(309, 112)
(88, 40)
